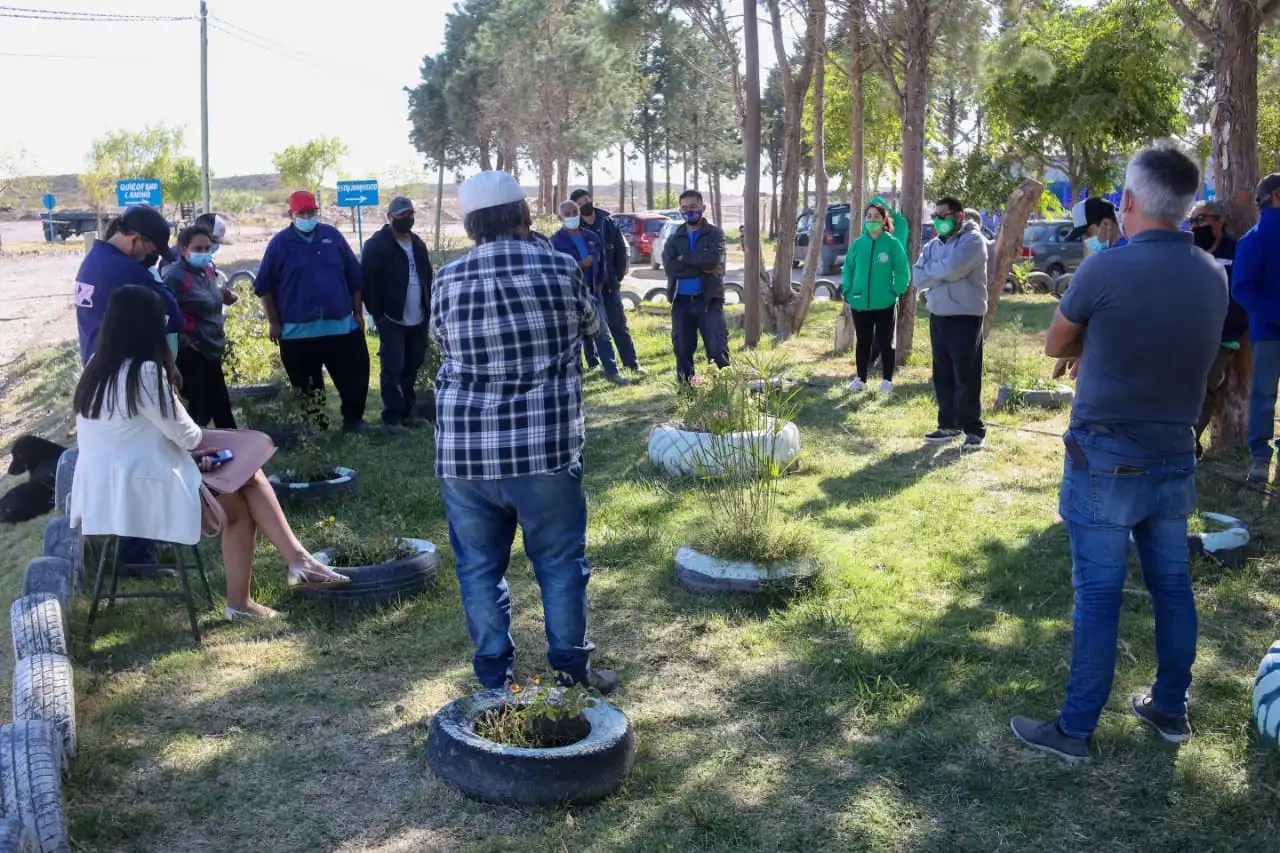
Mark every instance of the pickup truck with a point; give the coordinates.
(69, 223)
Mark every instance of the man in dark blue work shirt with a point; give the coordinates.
(133, 242)
(616, 252)
(310, 283)
(585, 248)
(1145, 320)
(694, 260)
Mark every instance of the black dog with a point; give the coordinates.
(39, 458)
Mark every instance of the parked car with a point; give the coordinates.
(660, 242)
(1045, 244)
(639, 230)
(835, 238)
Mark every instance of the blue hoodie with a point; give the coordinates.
(104, 270)
(313, 281)
(1255, 277)
(562, 241)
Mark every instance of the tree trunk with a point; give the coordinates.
(844, 330)
(666, 193)
(622, 177)
(751, 267)
(773, 203)
(591, 177)
(813, 258)
(717, 206)
(697, 154)
(915, 95)
(648, 169)
(486, 161)
(857, 179)
(562, 182)
(439, 203)
(1009, 244)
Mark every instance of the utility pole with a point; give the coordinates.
(751, 202)
(204, 104)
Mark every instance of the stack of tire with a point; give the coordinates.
(36, 748)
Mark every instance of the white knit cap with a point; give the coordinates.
(488, 189)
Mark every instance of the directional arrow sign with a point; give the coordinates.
(358, 193)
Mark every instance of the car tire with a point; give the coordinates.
(1038, 282)
(340, 483)
(51, 575)
(658, 294)
(61, 540)
(240, 278)
(259, 391)
(62, 479)
(1055, 270)
(735, 290)
(43, 689)
(630, 301)
(580, 773)
(38, 626)
(384, 583)
(825, 287)
(30, 773)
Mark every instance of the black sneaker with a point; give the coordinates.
(1047, 737)
(942, 436)
(637, 370)
(396, 429)
(1172, 729)
(604, 680)
(1259, 471)
(972, 442)
(617, 379)
(353, 427)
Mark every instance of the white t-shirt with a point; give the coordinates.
(413, 313)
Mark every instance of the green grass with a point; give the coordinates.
(869, 713)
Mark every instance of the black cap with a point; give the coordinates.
(577, 194)
(1266, 187)
(1089, 212)
(147, 221)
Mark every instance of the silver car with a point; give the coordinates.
(660, 243)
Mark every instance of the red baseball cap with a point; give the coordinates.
(302, 201)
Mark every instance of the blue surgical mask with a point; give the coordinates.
(1096, 244)
(572, 222)
(200, 259)
(214, 250)
(306, 226)
(692, 216)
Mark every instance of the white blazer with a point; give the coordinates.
(134, 475)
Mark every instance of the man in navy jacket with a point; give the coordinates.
(614, 271)
(586, 248)
(1255, 284)
(310, 284)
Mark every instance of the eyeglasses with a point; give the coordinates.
(1204, 217)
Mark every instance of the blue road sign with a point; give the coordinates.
(358, 193)
(138, 191)
(49, 201)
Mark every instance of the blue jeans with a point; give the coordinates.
(551, 510)
(1110, 489)
(601, 349)
(1262, 398)
(402, 350)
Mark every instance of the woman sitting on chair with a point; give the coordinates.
(135, 475)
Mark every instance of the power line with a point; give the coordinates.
(29, 13)
(59, 56)
(282, 50)
(262, 46)
(271, 42)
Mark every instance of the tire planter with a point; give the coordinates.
(258, 391)
(38, 626)
(285, 436)
(62, 479)
(30, 774)
(43, 689)
(1040, 282)
(384, 583)
(341, 483)
(16, 838)
(1051, 398)
(51, 575)
(62, 540)
(682, 452)
(579, 773)
(1266, 697)
(700, 572)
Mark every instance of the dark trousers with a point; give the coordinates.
(616, 314)
(957, 372)
(205, 389)
(1213, 388)
(873, 331)
(691, 316)
(402, 351)
(346, 357)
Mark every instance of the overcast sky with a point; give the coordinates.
(324, 67)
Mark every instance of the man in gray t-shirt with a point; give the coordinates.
(1145, 321)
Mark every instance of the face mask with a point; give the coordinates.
(214, 250)
(944, 227)
(306, 226)
(873, 227)
(1096, 244)
(587, 209)
(200, 259)
(404, 226)
(1204, 236)
(692, 216)
(572, 222)
(149, 261)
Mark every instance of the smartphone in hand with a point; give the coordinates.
(216, 458)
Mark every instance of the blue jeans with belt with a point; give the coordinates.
(1262, 398)
(551, 510)
(1113, 487)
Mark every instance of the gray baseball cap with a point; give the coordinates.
(399, 205)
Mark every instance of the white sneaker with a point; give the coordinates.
(886, 387)
(857, 385)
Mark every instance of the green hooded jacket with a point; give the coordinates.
(876, 272)
(901, 229)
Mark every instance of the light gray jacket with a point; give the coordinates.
(953, 274)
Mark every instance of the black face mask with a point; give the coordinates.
(150, 260)
(1204, 236)
(587, 209)
(403, 225)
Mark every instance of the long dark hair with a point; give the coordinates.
(133, 331)
(888, 220)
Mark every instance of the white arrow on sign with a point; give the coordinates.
(361, 198)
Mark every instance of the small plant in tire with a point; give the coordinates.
(349, 550)
(533, 719)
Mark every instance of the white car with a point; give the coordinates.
(660, 242)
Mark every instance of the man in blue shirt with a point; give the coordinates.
(616, 252)
(310, 283)
(694, 261)
(1145, 321)
(585, 248)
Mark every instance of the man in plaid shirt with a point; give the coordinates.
(510, 318)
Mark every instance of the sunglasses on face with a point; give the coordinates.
(1203, 218)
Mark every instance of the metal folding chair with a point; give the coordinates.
(110, 551)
